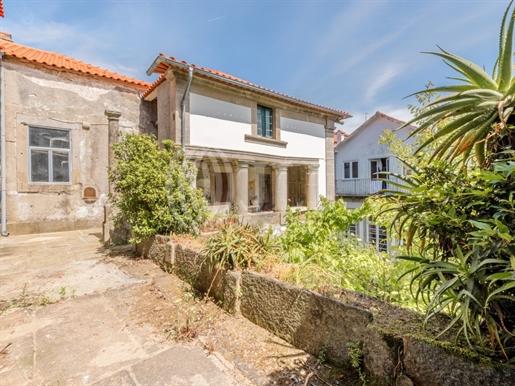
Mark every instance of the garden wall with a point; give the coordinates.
(316, 324)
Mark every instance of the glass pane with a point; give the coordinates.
(346, 170)
(59, 139)
(373, 169)
(39, 166)
(268, 120)
(259, 120)
(61, 165)
(354, 170)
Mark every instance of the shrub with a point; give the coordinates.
(153, 188)
(239, 245)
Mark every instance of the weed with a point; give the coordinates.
(44, 300)
(356, 356)
(185, 331)
(322, 354)
(62, 292)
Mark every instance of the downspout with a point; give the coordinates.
(183, 108)
(2, 147)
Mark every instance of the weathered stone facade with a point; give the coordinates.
(43, 97)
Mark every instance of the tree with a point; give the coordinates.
(153, 188)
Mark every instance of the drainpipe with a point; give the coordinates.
(2, 146)
(183, 108)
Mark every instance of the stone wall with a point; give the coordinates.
(316, 324)
(40, 97)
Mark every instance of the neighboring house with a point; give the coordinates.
(57, 112)
(339, 135)
(360, 161)
(254, 148)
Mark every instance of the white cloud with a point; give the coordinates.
(388, 73)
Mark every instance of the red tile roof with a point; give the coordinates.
(162, 63)
(1, 9)
(53, 59)
(153, 86)
(343, 135)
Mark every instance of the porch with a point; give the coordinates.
(247, 187)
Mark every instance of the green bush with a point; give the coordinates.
(153, 188)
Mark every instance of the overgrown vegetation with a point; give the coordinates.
(457, 209)
(315, 251)
(323, 253)
(153, 188)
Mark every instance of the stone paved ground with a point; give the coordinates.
(66, 321)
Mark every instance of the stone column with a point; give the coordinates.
(111, 232)
(242, 187)
(212, 187)
(329, 161)
(312, 186)
(281, 187)
(113, 118)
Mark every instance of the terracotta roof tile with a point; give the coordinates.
(53, 59)
(1, 9)
(343, 135)
(154, 85)
(163, 66)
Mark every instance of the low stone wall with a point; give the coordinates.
(318, 324)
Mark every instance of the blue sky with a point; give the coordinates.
(356, 55)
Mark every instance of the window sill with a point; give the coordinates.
(265, 141)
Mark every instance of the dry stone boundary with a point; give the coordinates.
(318, 324)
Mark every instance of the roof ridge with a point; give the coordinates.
(160, 67)
(55, 59)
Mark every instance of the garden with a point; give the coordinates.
(454, 214)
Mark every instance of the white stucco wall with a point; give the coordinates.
(364, 146)
(222, 125)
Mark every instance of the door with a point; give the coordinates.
(297, 186)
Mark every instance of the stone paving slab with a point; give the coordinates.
(88, 339)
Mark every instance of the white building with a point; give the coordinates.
(255, 148)
(359, 162)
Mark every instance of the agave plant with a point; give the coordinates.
(476, 117)
(463, 223)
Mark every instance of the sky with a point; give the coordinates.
(360, 56)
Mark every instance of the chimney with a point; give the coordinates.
(6, 36)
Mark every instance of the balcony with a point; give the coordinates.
(363, 187)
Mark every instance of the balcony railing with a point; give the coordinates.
(362, 187)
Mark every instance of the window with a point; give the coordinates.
(378, 237)
(350, 169)
(264, 122)
(49, 155)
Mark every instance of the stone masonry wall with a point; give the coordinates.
(36, 96)
(316, 324)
